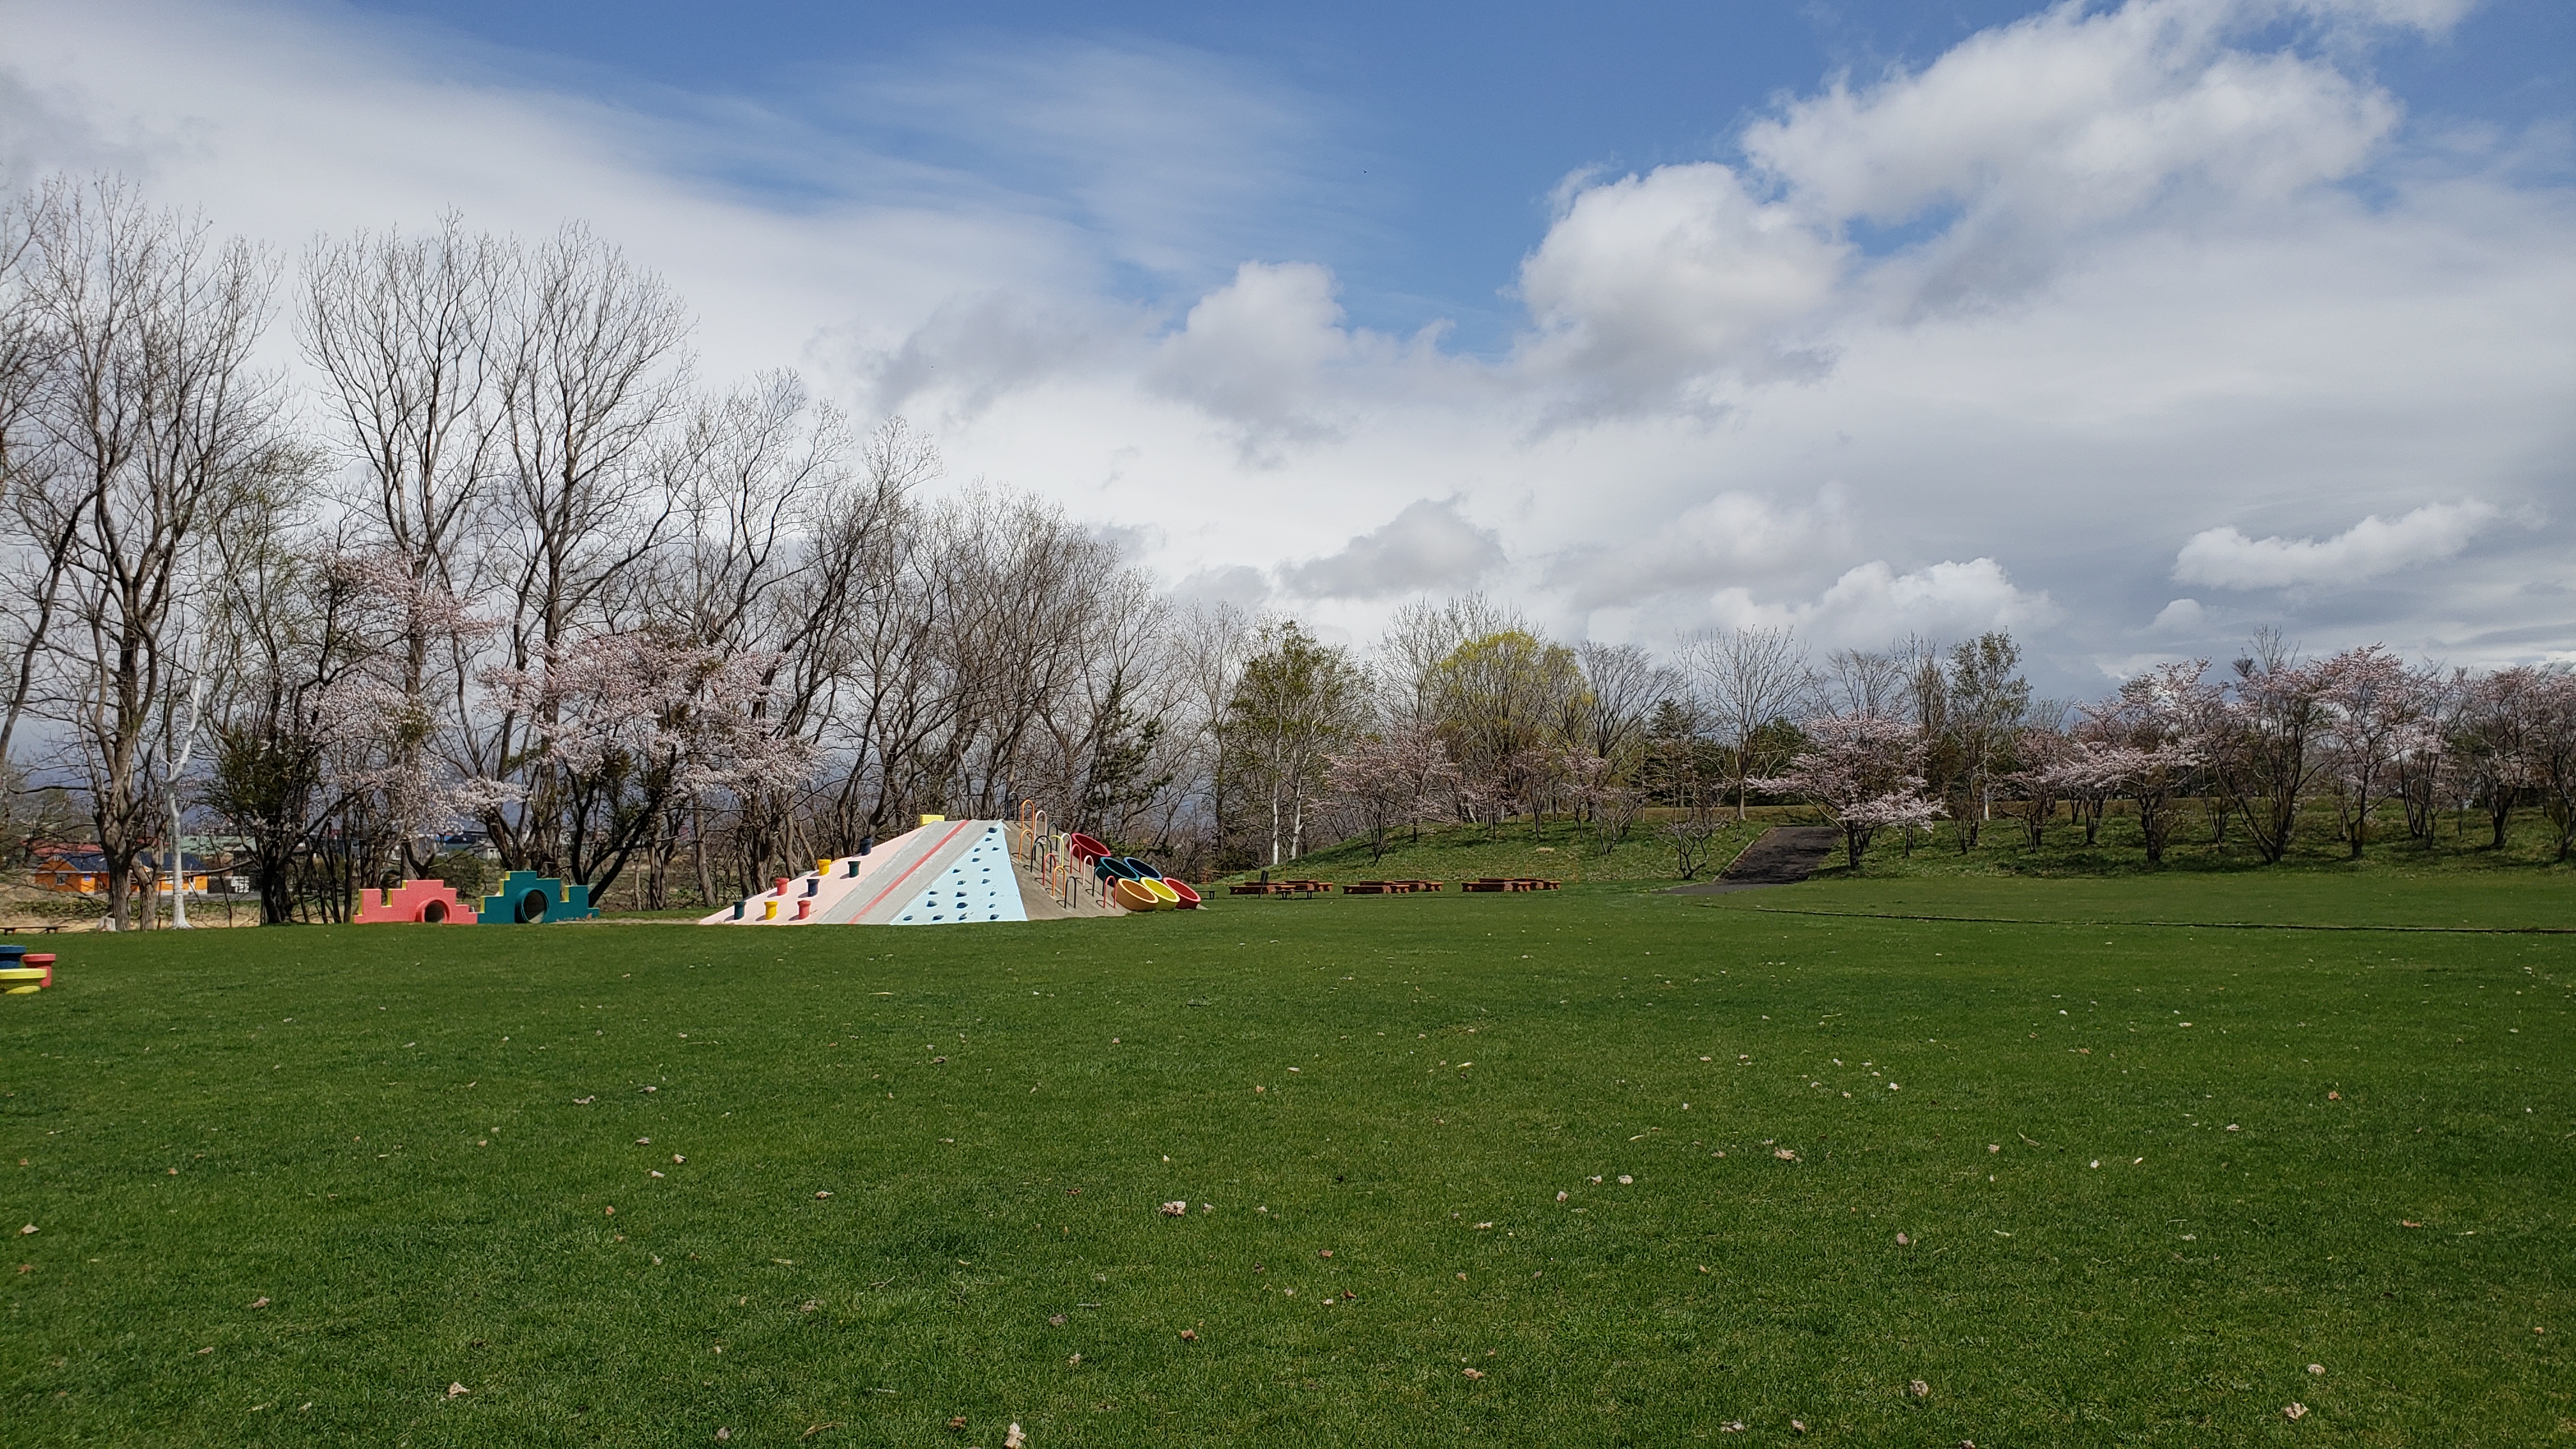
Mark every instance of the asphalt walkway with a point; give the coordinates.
(1785, 855)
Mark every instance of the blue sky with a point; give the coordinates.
(1433, 136)
(2131, 326)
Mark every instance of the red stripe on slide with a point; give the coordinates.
(880, 896)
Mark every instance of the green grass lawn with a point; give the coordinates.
(1639, 1161)
(1559, 849)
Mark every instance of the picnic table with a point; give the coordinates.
(1389, 887)
(1492, 884)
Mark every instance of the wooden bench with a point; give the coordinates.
(1493, 884)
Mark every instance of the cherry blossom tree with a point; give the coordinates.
(2552, 752)
(1389, 779)
(2263, 750)
(627, 720)
(1864, 770)
(2153, 725)
(2374, 706)
(2491, 741)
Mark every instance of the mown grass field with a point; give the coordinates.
(2343, 1148)
(1564, 849)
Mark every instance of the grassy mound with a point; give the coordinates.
(1638, 1162)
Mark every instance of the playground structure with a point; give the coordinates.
(415, 902)
(952, 872)
(526, 898)
(22, 974)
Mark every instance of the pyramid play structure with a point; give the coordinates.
(415, 902)
(946, 873)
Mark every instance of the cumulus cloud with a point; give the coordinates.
(1430, 545)
(2032, 133)
(1258, 352)
(1873, 605)
(1238, 585)
(2225, 558)
(2182, 616)
(2028, 299)
(1647, 282)
(1724, 540)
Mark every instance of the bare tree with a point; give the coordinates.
(1986, 702)
(1750, 678)
(403, 332)
(593, 364)
(169, 435)
(1857, 681)
(1624, 683)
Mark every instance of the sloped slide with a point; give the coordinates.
(948, 872)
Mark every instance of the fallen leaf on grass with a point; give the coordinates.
(1919, 1389)
(1798, 1425)
(2295, 1412)
(457, 1391)
(1626, 1181)
(1903, 1241)
(1013, 1439)
(259, 1303)
(2334, 1096)
(1480, 1227)
(1784, 1154)
(959, 1422)
(29, 1228)
(823, 1194)
(1323, 1252)
(1173, 1209)
(1473, 1373)
(2401, 1222)
(1189, 1335)
(819, 1428)
(1560, 1197)
(2316, 1368)
(1057, 1321)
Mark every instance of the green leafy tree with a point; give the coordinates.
(1296, 700)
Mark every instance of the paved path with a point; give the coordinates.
(1785, 855)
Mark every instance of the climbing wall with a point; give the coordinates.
(978, 885)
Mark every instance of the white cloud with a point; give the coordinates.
(2033, 300)
(1728, 538)
(1428, 546)
(2035, 132)
(2226, 558)
(1257, 351)
(2182, 616)
(1874, 605)
(1650, 281)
